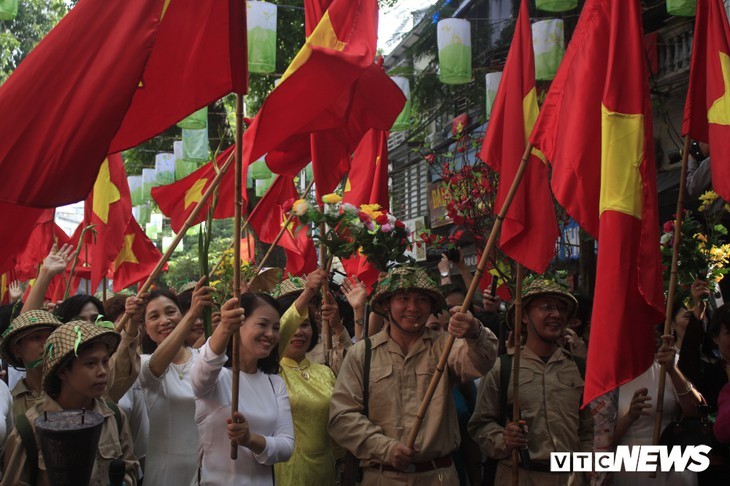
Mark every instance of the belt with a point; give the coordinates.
(419, 467)
(537, 466)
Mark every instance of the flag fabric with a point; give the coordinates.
(269, 215)
(45, 234)
(333, 89)
(17, 225)
(530, 228)
(600, 93)
(67, 99)
(110, 75)
(177, 200)
(707, 108)
(136, 259)
(367, 183)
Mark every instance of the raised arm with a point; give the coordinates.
(54, 264)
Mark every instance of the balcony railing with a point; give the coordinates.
(674, 50)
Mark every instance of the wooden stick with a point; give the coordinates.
(672, 287)
(238, 198)
(103, 289)
(516, 369)
(469, 295)
(281, 233)
(178, 238)
(326, 328)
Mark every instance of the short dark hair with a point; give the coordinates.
(70, 308)
(720, 319)
(114, 306)
(251, 301)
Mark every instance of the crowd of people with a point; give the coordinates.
(317, 409)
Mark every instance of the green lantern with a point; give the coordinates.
(8, 9)
(556, 5)
(148, 182)
(195, 145)
(549, 47)
(135, 189)
(142, 213)
(151, 230)
(260, 171)
(195, 121)
(164, 169)
(491, 83)
(453, 37)
(682, 8)
(261, 22)
(403, 122)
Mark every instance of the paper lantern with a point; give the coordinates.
(8, 9)
(491, 82)
(150, 230)
(556, 5)
(156, 219)
(142, 213)
(135, 189)
(195, 145)
(453, 37)
(148, 181)
(259, 171)
(403, 122)
(195, 121)
(682, 8)
(164, 169)
(261, 22)
(548, 42)
(262, 185)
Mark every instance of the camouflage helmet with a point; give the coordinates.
(26, 323)
(541, 287)
(402, 279)
(288, 286)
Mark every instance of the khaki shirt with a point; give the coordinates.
(111, 446)
(24, 398)
(398, 383)
(550, 399)
(340, 345)
(124, 367)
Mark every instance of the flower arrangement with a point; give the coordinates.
(703, 251)
(222, 280)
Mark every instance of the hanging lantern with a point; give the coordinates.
(142, 213)
(261, 21)
(8, 9)
(682, 8)
(150, 230)
(556, 5)
(148, 181)
(491, 82)
(195, 121)
(262, 185)
(183, 168)
(164, 169)
(403, 122)
(135, 189)
(260, 171)
(549, 46)
(195, 145)
(454, 45)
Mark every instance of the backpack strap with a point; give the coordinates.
(505, 371)
(366, 376)
(117, 415)
(27, 437)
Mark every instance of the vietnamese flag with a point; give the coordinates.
(707, 108)
(136, 259)
(601, 93)
(269, 216)
(332, 88)
(367, 183)
(17, 226)
(177, 200)
(530, 229)
(44, 236)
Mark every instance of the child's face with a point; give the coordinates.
(29, 348)
(87, 376)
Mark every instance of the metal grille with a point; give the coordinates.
(410, 191)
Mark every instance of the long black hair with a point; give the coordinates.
(251, 301)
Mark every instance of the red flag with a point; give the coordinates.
(601, 93)
(199, 56)
(332, 86)
(136, 259)
(707, 108)
(16, 228)
(530, 228)
(178, 200)
(45, 234)
(267, 219)
(64, 103)
(367, 183)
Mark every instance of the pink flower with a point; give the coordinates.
(386, 228)
(370, 225)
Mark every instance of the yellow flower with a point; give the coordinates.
(700, 237)
(707, 199)
(372, 210)
(300, 207)
(331, 198)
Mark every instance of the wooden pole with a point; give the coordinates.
(281, 233)
(238, 198)
(103, 289)
(178, 238)
(516, 369)
(672, 287)
(469, 295)
(325, 289)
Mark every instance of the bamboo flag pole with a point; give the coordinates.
(470, 294)
(516, 369)
(188, 223)
(238, 209)
(326, 331)
(284, 226)
(672, 287)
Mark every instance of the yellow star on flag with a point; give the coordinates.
(105, 193)
(195, 193)
(126, 255)
(348, 186)
(289, 227)
(719, 112)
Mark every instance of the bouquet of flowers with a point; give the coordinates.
(222, 280)
(703, 251)
(334, 225)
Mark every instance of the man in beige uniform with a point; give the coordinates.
(403, 360)
(551, 388)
